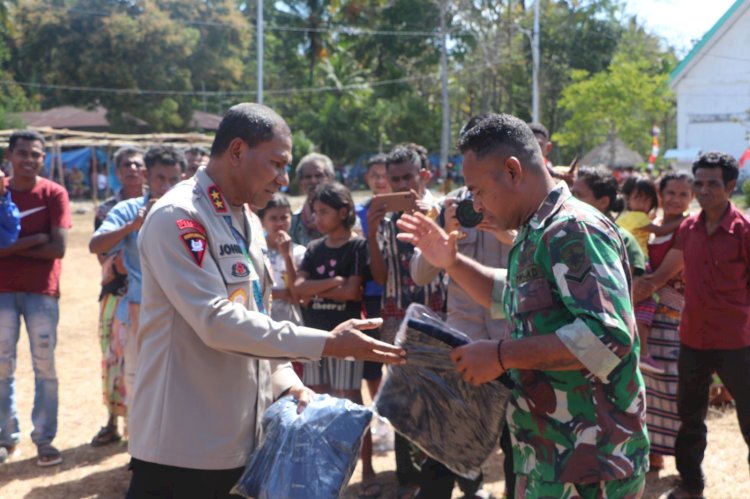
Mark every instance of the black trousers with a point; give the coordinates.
(151, 480)
(507, 447)
(695, 369)
(436, 482)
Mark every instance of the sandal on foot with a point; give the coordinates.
(370, 489)
(7, 451)
(47, 455)
(107, 435)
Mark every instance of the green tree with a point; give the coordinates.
(164, 46)
(624, 101)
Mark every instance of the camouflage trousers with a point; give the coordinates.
(527, 487)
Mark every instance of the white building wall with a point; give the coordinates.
(714, 91)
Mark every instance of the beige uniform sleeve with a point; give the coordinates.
(283, 377)
(422, 271)
(198, 294)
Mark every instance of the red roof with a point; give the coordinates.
(87, 119)
(205, 121)
(66, 117)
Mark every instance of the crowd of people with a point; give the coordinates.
(608, 304)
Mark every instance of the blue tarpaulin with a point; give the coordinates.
(81, 160)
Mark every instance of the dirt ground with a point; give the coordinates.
(101, 473)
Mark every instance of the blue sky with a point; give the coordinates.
(680, 22)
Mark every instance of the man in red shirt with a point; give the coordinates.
(713, 248)
(29, 287)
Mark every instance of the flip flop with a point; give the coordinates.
(47, 455)
(7, 452)
(370, 489)
(107, 435)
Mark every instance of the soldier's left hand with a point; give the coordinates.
(303, 395)
(477, 362)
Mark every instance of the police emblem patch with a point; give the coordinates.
(217, 200)
(195, 242)
(239, 269)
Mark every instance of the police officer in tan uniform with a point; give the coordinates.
(211, 360)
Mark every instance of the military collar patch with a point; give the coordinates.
(195, 242)
(217, 200)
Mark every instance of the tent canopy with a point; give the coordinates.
(614, 154)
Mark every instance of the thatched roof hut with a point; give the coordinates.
(614, 154)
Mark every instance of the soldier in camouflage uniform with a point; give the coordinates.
(577, 415)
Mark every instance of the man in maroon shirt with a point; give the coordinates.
(714, 247)
(29, 287)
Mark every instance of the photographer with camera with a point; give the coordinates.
(483, 241)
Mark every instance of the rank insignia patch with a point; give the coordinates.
(195, 242)
(217, 199)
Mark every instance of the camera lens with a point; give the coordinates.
(466, 214)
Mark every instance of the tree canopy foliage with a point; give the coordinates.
(351, 76)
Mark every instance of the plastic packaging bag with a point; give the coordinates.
(428, 402)
(306, 455)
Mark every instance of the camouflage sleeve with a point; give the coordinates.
(498, 291)
(586, 266)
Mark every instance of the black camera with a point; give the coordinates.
(466, 215)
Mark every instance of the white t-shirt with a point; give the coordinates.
(283, 310)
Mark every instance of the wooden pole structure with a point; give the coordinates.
(94, 176)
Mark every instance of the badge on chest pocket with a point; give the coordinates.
(237, 269)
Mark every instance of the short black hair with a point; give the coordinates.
(378, 159)
(679, 176)
(641, 185)
(29, 135)
(473, 122)
(251, 122)
(539, 129)
(165, 155)
(126, 151)
(278, 200)
(197, 150)
(494, 132)
(409, 153)
(337, 196)
(729, 168)
(602, 183)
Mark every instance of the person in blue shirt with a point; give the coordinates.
(119, 231)
(10, 218)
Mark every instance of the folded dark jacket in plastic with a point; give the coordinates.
(306, 455)
(428, 402)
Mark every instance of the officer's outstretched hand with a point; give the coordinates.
(347, 342)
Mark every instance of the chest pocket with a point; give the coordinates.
(235, 269)
(534, 295)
